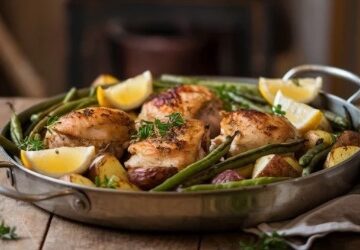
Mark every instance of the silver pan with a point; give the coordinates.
(215, 210)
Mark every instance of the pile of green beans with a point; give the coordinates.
(196, 167)
(243, 159)
(313, 157)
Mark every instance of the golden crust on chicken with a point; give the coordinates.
(154, 159)
(255, 129)
(191, 101)
(107, 129)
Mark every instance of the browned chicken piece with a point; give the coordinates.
(109, 130)
(155, 159)
(191, 101)
(255, 129)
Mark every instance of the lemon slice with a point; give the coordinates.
(302, 90)
(57, 162)
(104, 79)
(302, 116)
(127, 95)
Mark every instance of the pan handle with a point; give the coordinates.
(80, 202)
(333, 71)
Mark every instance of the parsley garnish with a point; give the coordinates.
(278, 111)
(158, 128)
(7, 232)
(32, 144)
(266, 242)
(112, 182)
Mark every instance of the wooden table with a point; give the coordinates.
(41, 230)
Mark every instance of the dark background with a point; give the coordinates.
(48, 46)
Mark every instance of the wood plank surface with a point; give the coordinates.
(31, 222)
(65, 234)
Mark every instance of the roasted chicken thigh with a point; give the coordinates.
(255, 129)
(109, 130)
(191, 101)
(156, 158)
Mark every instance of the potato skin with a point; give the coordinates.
(148, 178)
(274, 166)
(348, 138)
(227, 176)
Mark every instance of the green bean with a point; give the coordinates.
(245, 158)
(319, 157)
(16, 132)
(9, 146)
(92, 91)
(311, 153)
(61, 110)
(196, 167)
(71, 94)
(234, 184)
(243, 101)
(337, 121)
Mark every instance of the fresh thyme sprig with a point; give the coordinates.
(112, 182)
(7, 232)
(278, 111)
(158, 128)
(52, 120)
(32, 144)
(274, 241)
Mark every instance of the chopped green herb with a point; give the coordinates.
(266, 242)
(158, 128)
(7, 232)
(32, 144)
(278, 111)
(112, 182)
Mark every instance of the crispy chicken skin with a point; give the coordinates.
(255, 129)
(190, 100)
(107, 129)
(155, 159)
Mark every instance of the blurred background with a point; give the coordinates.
(48, 46)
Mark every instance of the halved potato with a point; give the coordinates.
(313, 137)
(77, 179)
(105, 168)
(245, 171)
(348, 138)
(340, 154)
(275, 166)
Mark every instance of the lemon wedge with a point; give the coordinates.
(302, 90)
(126, 95)
(104, 79)
(301, 115)
(57, 162)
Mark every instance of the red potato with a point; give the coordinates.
(340, 154)
(348, 138)
(276, 166)
(148, 178)
(227, 176)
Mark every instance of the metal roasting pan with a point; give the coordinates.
(207, 210)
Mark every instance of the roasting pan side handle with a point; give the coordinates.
(79, 203)
(329, 70)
